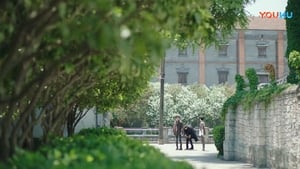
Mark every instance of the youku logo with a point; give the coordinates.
(269, 15)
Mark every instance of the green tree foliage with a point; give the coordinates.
(219, 137)
(252, 78)
(233, 101)
(294, 62)
(95, 148)
(57, 54)
(293, 35)
(133, 115)
(240, 83)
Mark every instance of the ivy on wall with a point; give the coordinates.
(253, 79)
(247, 94)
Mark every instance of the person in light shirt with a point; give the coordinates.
(202, 132)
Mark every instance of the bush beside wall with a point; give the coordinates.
(94, 148)
(219, 136)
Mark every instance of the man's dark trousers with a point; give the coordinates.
(178, 138)
(189, 139)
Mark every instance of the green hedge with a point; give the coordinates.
(219, 136)
(102, 132)
(93, 149)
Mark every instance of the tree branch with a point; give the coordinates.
(19, 39)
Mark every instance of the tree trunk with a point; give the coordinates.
(6, 147)
(71, 121)
(6, 151)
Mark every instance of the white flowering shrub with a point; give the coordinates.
(190, 102)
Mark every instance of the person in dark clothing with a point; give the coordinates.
(190, 134)
(177, 130)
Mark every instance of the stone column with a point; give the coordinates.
(229, 142)
(165, 135)
(280, 54)
(202, 64)
(241, 53)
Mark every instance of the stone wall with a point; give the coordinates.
(266, 136)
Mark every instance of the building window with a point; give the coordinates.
(182, 52)
(262, 45)
(262, 51)
(223, 75)
(182, 73)
(223, 49)
(182, 77)
(263, 78)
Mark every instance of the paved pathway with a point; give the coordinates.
(201, 159)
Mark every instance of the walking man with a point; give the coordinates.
(177, 130)
(202, 132)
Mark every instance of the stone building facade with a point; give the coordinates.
(263, 42)
(266, 136)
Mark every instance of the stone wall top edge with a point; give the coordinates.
(290, 90)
